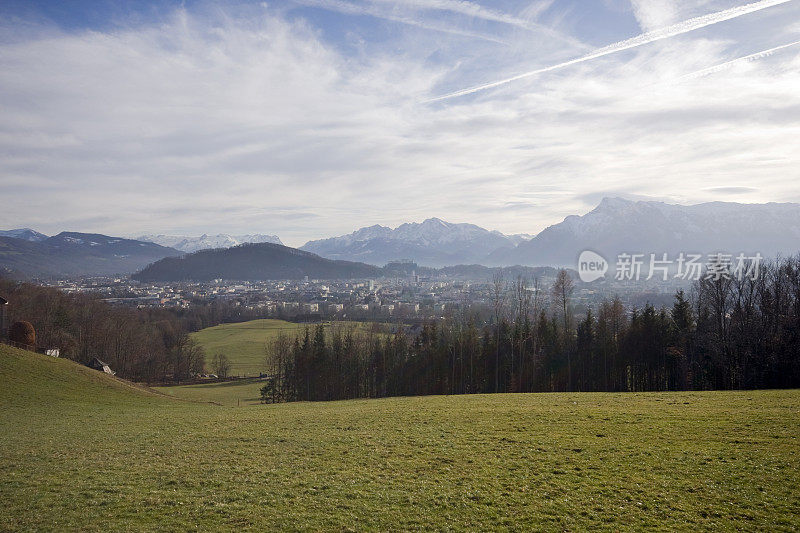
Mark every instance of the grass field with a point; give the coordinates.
(244, 343)
(81, 450)
(239, 393)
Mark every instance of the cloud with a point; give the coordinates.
(259, 122)
(655, 14)
(536, 9)
(372, 10)
(477, 11)
(750, 57)
(732, 190)
(645, 38)
(460, 7)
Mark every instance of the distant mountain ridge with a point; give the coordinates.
(255, 262)
(77, 254)
(207, 242)
(615, 226)
(26, 234)
(433, 243)
(619, 226)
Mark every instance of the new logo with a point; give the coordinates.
(591, 266)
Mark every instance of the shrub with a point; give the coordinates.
(22, 334)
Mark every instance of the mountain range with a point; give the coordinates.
(433, 243)
(77, 254)
(619, 226)
(615, 226)
(207, 242)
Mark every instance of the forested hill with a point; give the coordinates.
(253, 262)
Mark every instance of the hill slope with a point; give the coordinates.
(253, 262)
(78, 254)
(31, 380)
(82, 451)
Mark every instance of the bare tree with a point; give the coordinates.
(535, 294)
(523, 304)
(277, 363)
(562, 292)
(498, 304)
(221, 365)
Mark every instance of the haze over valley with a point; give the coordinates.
(614, 227)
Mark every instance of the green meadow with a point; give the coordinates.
(245, 343)
(80, 450)
(236, 393)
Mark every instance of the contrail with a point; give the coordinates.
(645, 38)
(723, 66)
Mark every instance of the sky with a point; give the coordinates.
(312, 118)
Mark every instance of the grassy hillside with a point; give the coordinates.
(244, 342)
(229, 393)
(31, 381)
(80, 450)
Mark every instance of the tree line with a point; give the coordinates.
(147, 345)
(726, 333)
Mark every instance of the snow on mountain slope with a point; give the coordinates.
(26, 234)
(78, 254)
(205, 242)
(623, 226)
(433, 242)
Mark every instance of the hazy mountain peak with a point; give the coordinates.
(618, 225)
(72, 253)
(206, 241)
(432, 242)
(26, 234)
(613, 202)
(369, 232)
(434, 221)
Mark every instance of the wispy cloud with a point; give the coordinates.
(732, 190)
(371, 10)
(477, 11)
(744, 59)
(461, 7)
(655, 14)
(645, 38)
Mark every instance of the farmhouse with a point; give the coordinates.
(97, 364)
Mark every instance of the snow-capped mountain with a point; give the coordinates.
(519, 238)
(206, 242)
(623, 226)
(433, 242)
(25, 234)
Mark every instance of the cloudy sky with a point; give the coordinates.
(311, 118)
